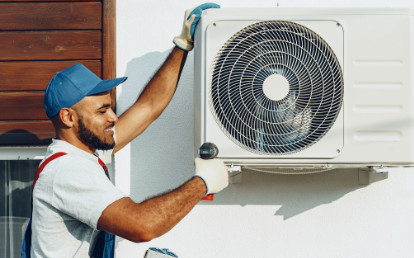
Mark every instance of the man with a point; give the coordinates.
(73, 197)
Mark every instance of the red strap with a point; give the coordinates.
(57, 155)
(42, 166)
(103, 166)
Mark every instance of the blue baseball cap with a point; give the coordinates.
(73, 84)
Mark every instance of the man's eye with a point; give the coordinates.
(102, 111)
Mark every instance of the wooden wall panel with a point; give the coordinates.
(37, 132)
(37, 39)
(35, 75)
(109, 47)
(47, 16)
(26, 106)
(50, 45)
(35, 126)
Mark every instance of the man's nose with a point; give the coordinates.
(113, 118)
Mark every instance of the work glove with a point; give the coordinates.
(214, 174)
(185, 41)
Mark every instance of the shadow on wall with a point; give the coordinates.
(162, 157)
(20, 137)
(294, 193)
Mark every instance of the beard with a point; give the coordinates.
(88, 137)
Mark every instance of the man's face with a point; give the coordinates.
(96, 121)
(87, 136)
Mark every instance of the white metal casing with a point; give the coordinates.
(376, 124)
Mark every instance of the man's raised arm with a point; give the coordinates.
(152, 101)
(160, 89)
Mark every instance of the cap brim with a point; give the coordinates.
(106, 85)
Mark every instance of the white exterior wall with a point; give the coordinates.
(320, 215)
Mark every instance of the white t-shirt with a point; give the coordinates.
(69, 197)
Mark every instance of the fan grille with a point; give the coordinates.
(283, 124)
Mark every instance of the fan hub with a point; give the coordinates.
(276, 87)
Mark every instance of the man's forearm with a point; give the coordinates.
(144, 221)
(152, 101)
(163, 84)
(168, 209)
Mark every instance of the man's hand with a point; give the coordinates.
(214, 174)
(185, 41)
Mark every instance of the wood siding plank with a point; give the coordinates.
(22, 106)
(39, 132)
(50, 16)
(35, 75)
(51, 45)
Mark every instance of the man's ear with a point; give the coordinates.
(67, 116)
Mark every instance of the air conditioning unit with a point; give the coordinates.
(286, 90)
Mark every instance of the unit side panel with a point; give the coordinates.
(378, 89)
